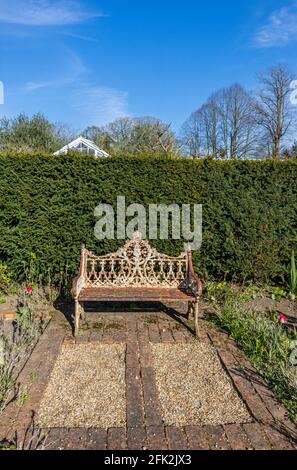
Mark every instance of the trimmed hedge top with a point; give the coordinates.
(47, 210)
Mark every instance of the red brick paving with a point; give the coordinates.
(136, 438)
(156, 438)
(197, 438)
(237, 437)
(177, 439)
(257, 436)
(116, 439)
(270, 429)
(217, 438)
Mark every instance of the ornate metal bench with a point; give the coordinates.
(136, 272)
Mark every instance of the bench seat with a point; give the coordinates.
(134, 294)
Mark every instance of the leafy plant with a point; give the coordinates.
(6, 368)
(7, 445)
(5, 278)
(33, 438)
(226, 292)
(23, 397)
(268, 346)
(277, 293)
(24, 317)
(216, 290)
(16, 347)
(31, 271)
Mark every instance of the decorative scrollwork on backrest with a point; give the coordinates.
(136, 264)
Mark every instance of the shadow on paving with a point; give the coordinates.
(66, 307)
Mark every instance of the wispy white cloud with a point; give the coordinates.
(44, 12)
(279, 30)
(99, 105)
(32, 86)
(81, 37)
(91, 104)
(73, 70)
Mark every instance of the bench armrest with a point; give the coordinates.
(192, 282)
(79, 282)
(77, 286)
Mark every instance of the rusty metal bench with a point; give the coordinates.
(136, 272)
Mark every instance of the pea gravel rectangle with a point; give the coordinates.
(86, 388)
(193, 387)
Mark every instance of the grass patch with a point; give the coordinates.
(269, 347)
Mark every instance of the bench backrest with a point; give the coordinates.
(136, 264)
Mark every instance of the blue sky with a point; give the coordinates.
(89, 62)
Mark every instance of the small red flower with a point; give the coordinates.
(283, 319)
(29, 290)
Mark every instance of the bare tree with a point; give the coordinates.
(152, 135)
(99, 136)
(114, 137)
(237, 125)
(191, 135)
(274, 111)
(135, 135)
(290, 153)
(210, 115)
(120, 129)
(224, 127)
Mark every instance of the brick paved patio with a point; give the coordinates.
(269, 428)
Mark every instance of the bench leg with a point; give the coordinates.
(79, 313)
(190, 314)
(197, 317)
(76, 317)
(82, 311)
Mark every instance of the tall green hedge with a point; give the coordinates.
(47, 210)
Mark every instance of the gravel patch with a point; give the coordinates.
(194, 389)
(86, 388)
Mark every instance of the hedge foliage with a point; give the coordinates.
(47, 210)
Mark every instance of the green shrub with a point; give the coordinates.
(47, 210)
(5, 278)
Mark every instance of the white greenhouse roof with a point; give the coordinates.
(84, 146)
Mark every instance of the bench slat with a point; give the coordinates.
(120, 294)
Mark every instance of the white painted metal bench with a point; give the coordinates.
(136, 272)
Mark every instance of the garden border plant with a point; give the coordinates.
(267, 344)
(17, 346)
